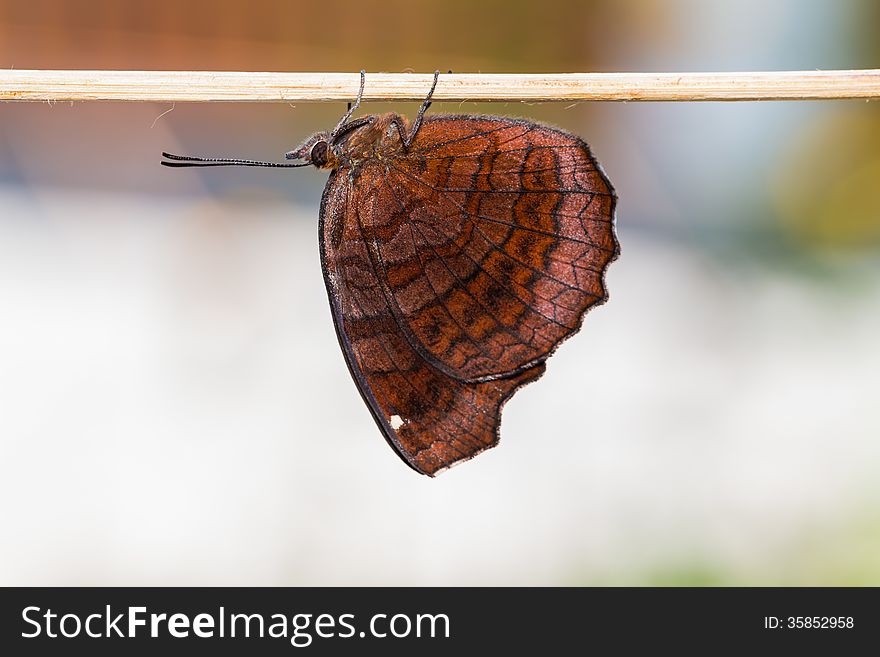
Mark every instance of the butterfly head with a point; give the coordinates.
(317, 150)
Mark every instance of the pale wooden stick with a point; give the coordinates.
(203, 86)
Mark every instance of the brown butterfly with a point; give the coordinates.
(458, 252)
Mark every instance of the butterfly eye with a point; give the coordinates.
(318, 154)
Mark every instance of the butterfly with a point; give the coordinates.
(458, 252)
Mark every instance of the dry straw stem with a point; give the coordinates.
(216, 86)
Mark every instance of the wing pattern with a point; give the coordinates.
(456, 269)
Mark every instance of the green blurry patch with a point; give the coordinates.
(848, 555)
(827, 187)
(844, 553)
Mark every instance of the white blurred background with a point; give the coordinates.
(174, 408)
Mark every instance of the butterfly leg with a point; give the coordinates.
(424, 108)
(351, 109)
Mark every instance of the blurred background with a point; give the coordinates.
(174, 407)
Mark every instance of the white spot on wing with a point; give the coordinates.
(396, 422)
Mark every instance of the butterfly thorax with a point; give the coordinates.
(378, 140)
(369, 139)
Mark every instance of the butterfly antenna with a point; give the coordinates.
(421, 115)
(351, 108)
(181, 161)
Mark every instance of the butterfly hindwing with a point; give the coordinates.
(431, 419)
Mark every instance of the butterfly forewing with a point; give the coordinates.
(492, 244)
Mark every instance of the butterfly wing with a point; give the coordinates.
(491, 238)
(431, 419)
